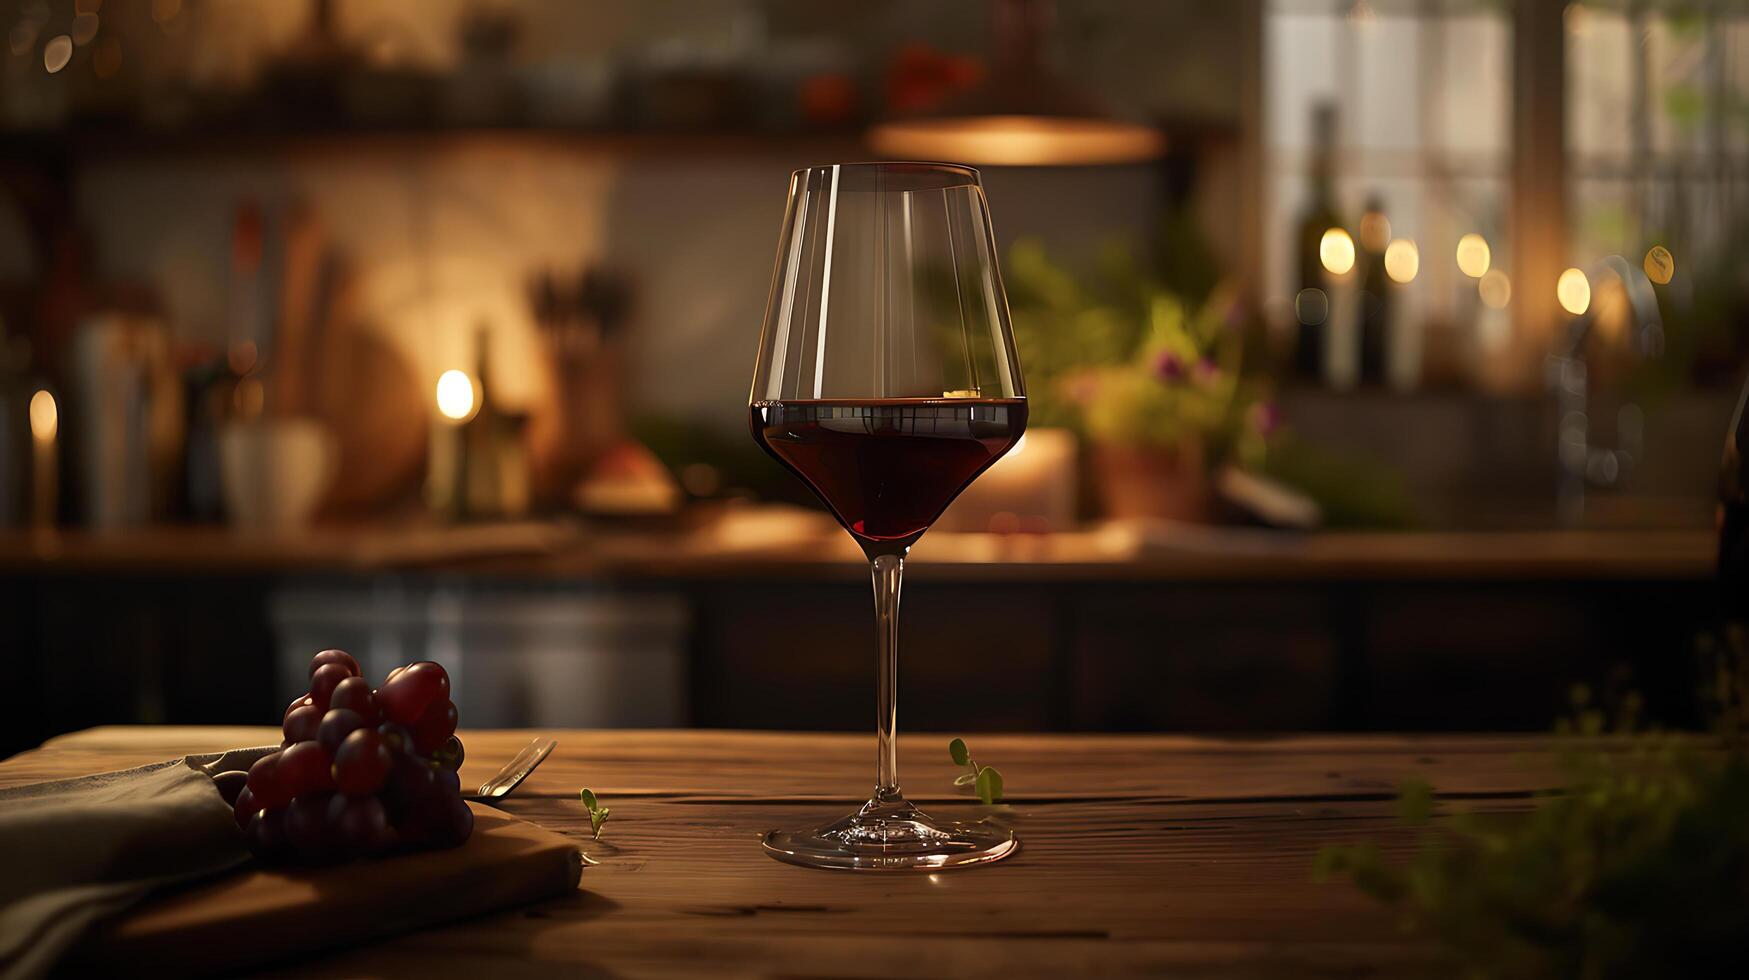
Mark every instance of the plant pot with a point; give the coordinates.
(1164, 482)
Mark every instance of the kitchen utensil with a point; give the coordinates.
(514, 772)
(274, 471)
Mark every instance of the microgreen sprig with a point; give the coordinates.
(597, 813)
(985, 779)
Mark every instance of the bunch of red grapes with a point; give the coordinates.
(361, 772)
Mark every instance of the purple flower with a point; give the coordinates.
(1266, 418)
(1207, 371)
(1169, 367)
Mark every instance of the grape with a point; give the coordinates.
(360, 825)
(323, 682)
(297, 703)
(360, 772)
(405, 696)
(458, 822)
(336, 725)
(267, 833)
(245, 808)
(411, 787)
(362, 763)
(449, 779)
(306, 826)
(301, 725)
(354, 694)
(303, 768)
(340, 657)
(449, 755)
(264, 782)
(231, 784)
(434, 727)
(397, 737)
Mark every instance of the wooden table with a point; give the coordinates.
(1141, 854)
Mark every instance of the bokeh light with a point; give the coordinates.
(57, 53)
(1660, 265)
(1573, 291)
(1495, 288)
(1375, 230)
(1473, 255)
(45, 416)
(1311, 306)
(1402, 260)
(455, 395)
(84, 28)
(1336, 251)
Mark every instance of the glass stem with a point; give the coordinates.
(888, 571)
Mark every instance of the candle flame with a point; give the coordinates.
(455, 395)
(45, 416)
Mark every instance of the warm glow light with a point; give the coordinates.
(1402, 260)
(1473, 255)
(1375, 230)
(1574, 292)
(1019, 444)
(455, 395)
(45, 417)
(1495, 289)
(1018, 140)
(84, 28)
(1336, 251)
(57, 53)
(1660, 265)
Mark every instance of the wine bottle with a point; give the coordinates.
(1312, 304)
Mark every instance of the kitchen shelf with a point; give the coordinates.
(89, 144)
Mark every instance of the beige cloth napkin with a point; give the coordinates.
(75, 851)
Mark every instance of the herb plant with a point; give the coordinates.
(597, 813)
(1638, 866)
(985, 779)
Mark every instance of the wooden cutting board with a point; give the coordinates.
(258, 915)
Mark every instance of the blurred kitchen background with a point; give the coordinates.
(1381, 355)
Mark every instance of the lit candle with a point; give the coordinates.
(45, 427)
(445, 472)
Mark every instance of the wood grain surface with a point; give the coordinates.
(1140, 854)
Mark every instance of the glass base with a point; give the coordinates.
(891, 836)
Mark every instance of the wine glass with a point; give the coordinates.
(887, 381)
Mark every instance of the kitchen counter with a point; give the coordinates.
(1139, 853)
(785, 544)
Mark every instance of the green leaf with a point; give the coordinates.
(989, 785)
(966, 778)
(589, 799)
(957, 749)
(596, 819)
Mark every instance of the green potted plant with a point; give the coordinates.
(1150, 378)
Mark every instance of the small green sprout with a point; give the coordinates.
(985, 779)
(597, 813)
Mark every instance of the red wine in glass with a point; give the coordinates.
(888, 467)
(887, 380)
